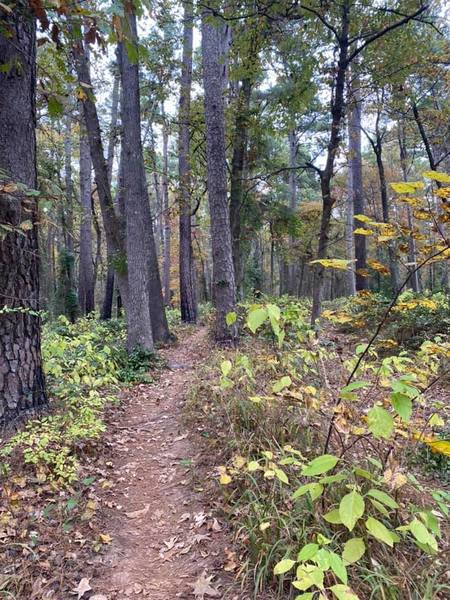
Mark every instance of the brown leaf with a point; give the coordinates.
(138, 513)
(82, 588)
(202, 587)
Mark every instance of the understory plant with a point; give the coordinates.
(317, 482)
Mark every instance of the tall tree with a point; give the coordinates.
(106, 311)
(356, 178)
(143, 272)
(188, 300)
(224, 291)
(166, 208)
(21, 375)
(86, 268)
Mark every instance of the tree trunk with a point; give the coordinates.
(349, 237)
(21, 375)
(326, 175)
(188, 300)
(355, 167)
(292, 139)
(393, 265)
(113, 228)
(86, 272)
(165, 188)
(143, 272)
(237, 173)
(106, 312)
(412, 255)
(224, 292)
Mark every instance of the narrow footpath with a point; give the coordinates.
(166, 543)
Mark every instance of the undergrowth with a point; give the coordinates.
(316, 477)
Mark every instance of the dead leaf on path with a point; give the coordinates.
(230, 564)
(214, 525)
(170, 543)
(99, 597)
(199, 537)
(138, 513)
(82, 588)
(202, 587)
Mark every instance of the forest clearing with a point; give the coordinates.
(224, 300)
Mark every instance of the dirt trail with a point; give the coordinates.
(166, 543)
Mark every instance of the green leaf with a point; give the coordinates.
(225, 367)
(283, 566)
(343, 592)
(305, 596)
(281, 384)
(308, 552)
(338, 567)
(274, 311)
(302, 490)
(315, 491)
(353, 550)
(380, 422)
(383, 497)
(333, 517)
(281, 475)
(402, 405)
(380, 531)
(351, 508)
(320, 465)
(421, 533)
(55, 107)
(230, 319)
(346, 391)
(256, 318)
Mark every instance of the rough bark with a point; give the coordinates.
(355, 174)
(86, 271)
(292, 140)
(106, 311)
(21, 375)
(224, 292)
(412, 254)
(337, 112)
(113, 228)
(240, 141)
(137, 210)
(143, 272)
(188, 300)
(166, 210)
(349, 237)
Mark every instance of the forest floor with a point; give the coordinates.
(167, 542)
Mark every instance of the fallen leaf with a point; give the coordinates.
(82, 587)
(138, 513)
(202, 587)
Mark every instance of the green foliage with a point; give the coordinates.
(84, 363)
(323, 520)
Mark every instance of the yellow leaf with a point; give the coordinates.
(439, 446)
(407, 187)
(377, 266)
(105, 538)
(332, 263)
(442, 177)
(264, 526)
(362, 231)
(224, 479)
(362, 218)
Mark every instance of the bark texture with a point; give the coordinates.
(21, 376)
(143, 273)
(355, 175)
(240, 141)
(224, 292)
(86, 270)
(115, 240)
(188, 299)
